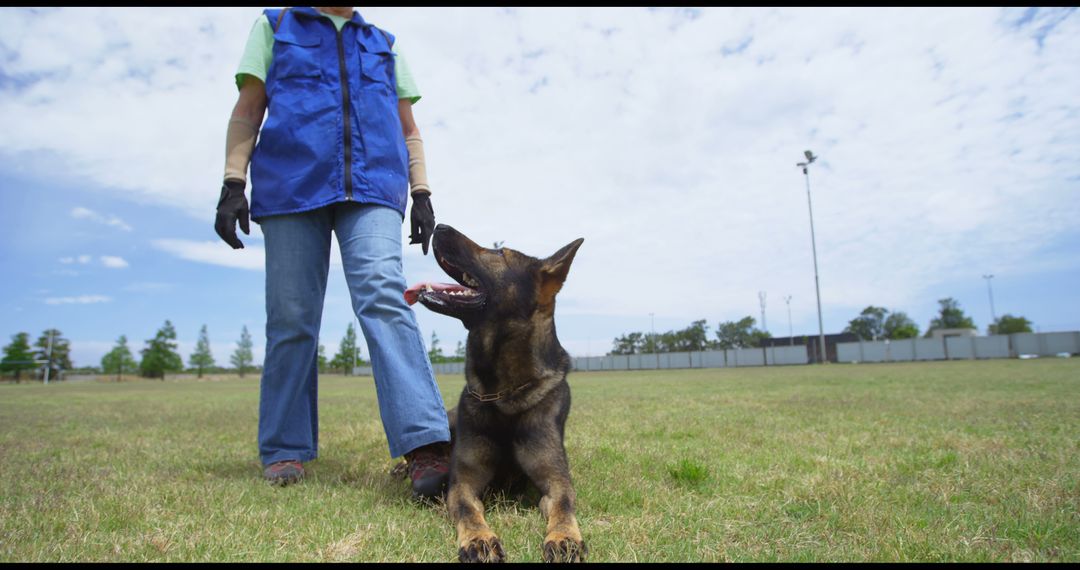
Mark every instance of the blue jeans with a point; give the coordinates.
(297, 264)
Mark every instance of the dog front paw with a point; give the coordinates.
(482, 549)
(565, 549)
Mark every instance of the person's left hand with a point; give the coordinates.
(232, 208)
(423, 220)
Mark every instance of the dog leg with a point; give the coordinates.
(544, 460)
(470, 474)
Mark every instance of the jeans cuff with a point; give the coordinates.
(288, 456)
(418, 440)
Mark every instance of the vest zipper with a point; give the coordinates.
(345, 110)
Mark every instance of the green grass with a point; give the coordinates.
(951, 461)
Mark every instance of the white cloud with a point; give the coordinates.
(79, 300)
(668, 139)
(677, 164)
(213, 252)
(81, 213)
(166, 67)
(113, 262)
(219, 253)
(110, 261)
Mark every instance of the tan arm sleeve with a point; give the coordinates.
(239, 145)
(417, 170)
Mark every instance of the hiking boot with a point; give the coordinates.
(283, 472)
(429, 470)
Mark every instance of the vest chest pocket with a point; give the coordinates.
(295, 57)
(377, 69)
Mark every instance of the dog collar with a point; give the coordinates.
(497, 395)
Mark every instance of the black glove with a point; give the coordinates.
(423, 220)
(232, 207)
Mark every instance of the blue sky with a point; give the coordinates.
(666, 138)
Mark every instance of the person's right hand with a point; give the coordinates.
(232, 207)
(423, 220)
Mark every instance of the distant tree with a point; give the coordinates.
(323, 363)
(666, 341)
(632, 343)
(202, 358)
(348, 352)
(160, 354)
(758, 337)
(459, 352)
(242, 358)
(899, 326)
(119, 359)
(739, 334)
(60, 358)
(870, 324)
(693, 338)
(650, 343)
(18, 356)
(950, 317)
(435, 353)
(1008, 324)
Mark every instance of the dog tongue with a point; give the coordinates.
(412, 294)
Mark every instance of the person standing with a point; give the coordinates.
(339, 152)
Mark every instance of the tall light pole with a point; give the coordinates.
(990, 290)
(761, 301)
(813, 244)
(791, 336)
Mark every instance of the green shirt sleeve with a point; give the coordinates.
(257, 53)
(406, 85)
(260, 50)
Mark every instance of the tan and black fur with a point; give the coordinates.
(509, 423)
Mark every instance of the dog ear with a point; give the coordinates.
(554, 269)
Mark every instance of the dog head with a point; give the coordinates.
(492, 283)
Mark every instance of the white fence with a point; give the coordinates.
(769, 356)
(960, 347)
(908, 350)
(449, 368)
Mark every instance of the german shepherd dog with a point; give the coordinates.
(509, 422)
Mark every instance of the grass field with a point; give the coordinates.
(950, 461)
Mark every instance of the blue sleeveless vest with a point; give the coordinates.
(332, 131)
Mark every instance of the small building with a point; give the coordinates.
(812, 342)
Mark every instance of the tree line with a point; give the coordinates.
(160, 355)
(878, 323)
(51, 352)
(730, 334)
(873, 323)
